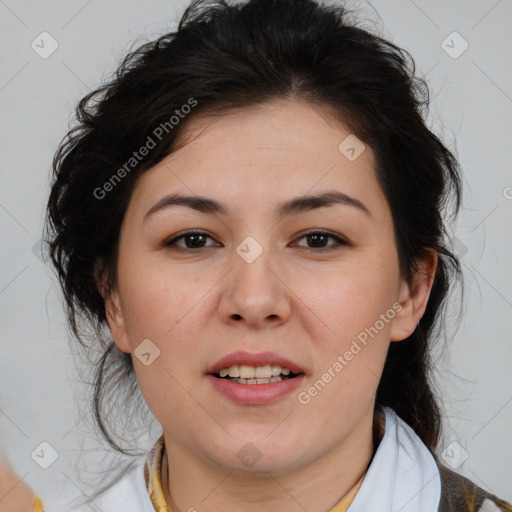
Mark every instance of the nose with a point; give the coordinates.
(255, 291)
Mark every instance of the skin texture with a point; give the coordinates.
(305, 304)
(15, 496)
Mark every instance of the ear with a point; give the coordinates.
(114, 313)
(413, 297)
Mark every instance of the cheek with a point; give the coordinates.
(350, 355)
(157, 300)
(349, 299)
(166, 308)
(355, 306)
(161, 308)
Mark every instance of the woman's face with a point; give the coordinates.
(261, 280)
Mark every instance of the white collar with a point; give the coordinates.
(403, 475)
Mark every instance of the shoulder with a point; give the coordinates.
(459, 494)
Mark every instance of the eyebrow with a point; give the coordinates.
(291, 207)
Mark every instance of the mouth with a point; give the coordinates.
(255, 379)
(250, 375)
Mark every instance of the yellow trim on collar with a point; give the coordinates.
(38, 505)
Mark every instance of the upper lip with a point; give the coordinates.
(254, 359)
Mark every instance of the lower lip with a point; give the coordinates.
(255, 394)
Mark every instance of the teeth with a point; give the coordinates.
(263, 372)
(258, 381)
(251, 373)
(246, 372)
(234, 371)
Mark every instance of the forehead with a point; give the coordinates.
(282, 126)
(263, 153)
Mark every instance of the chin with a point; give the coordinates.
(259, 468)
(260, 456)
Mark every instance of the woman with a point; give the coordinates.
(191, 213)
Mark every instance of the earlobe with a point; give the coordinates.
(114, 314)
(113, 310)
(116, 321)
(413, 298)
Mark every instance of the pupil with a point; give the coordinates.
(316, 237)
(191, 237)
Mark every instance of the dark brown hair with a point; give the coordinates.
(229, 56)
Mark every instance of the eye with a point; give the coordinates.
(193, 240)
(319, 238)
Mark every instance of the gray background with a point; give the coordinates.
(471, 111)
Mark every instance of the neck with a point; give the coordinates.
(191, 484)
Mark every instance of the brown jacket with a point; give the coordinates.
(458, 494)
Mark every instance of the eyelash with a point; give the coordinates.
(339, 241)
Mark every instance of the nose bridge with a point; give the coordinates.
(253, 291)
(252, 262)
